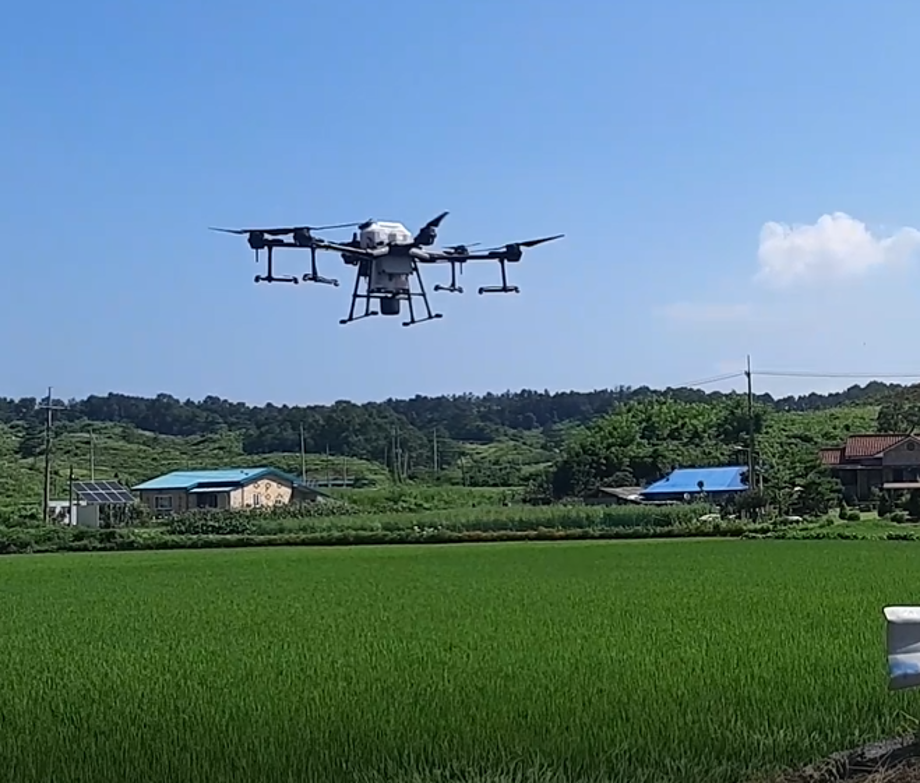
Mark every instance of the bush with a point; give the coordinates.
(898, 516)
(209, 529)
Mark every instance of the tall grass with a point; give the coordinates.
(639, 662)
(321, 518)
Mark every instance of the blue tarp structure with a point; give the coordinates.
(687, 480)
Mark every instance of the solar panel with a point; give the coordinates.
(103, 492)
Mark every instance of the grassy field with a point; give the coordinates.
(638, 661)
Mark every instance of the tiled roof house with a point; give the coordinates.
(875, 461)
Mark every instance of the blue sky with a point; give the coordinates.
(732, 178)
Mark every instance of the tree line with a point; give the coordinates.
(421, 429)
(644, 440)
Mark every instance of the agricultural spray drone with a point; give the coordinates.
(387, 255)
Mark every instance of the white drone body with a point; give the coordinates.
(389, 274)
(387, 256)
(379, 233)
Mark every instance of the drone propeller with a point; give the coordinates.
(429, 232)
(460, 250)
(528, 243)
(277, 232)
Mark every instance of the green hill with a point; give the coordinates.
(492, 441)
(134, 456)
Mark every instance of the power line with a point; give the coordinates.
(799, 374)
(803, 374)
(713, 379)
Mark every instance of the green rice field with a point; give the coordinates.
(623, 661)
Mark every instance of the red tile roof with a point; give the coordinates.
(862, 446)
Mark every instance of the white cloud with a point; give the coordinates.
(693, 312)
(836, 246)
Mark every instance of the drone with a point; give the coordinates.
(386, 256)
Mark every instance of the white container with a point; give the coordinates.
(903, 636)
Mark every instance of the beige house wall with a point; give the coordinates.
(268, 491)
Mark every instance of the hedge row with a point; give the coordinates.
(58, 539)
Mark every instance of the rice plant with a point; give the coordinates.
(629, 661)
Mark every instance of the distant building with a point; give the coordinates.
(87, 501)
(885, 461)
(185, 490)
(613, 496)
(686, 484)
(67, 512)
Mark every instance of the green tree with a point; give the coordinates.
(648, 438)
(32, 443)
(819, 493)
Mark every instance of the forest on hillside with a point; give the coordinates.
(371, 430)
(563, 441)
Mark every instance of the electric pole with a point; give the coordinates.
(49, 407)
(752, 481)
(434, 461)
(303, 456)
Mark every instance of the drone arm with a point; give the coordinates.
(440, 257)
(320, 244)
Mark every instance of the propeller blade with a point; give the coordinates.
(329, 228)
(274, 232)
(462, 246)
(535, 242)
(436, 222)
(528, 243)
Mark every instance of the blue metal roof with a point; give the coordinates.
(687, 480)
(189, 479)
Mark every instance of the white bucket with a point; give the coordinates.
(903, 646)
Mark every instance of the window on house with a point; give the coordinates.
(257, 499)
(163, 503)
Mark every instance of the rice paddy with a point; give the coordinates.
(626, 661)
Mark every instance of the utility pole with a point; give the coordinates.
(92, 455)
(434, 461)
(49, 409)
(303, 456)
(70, 511)
(752, 480)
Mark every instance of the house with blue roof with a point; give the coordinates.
(185, 490)
(688, 483)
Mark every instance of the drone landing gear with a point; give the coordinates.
(313, 275)
(389, 300)
(453, 288)
(424, 296)
(271, 277)
(504, 288)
